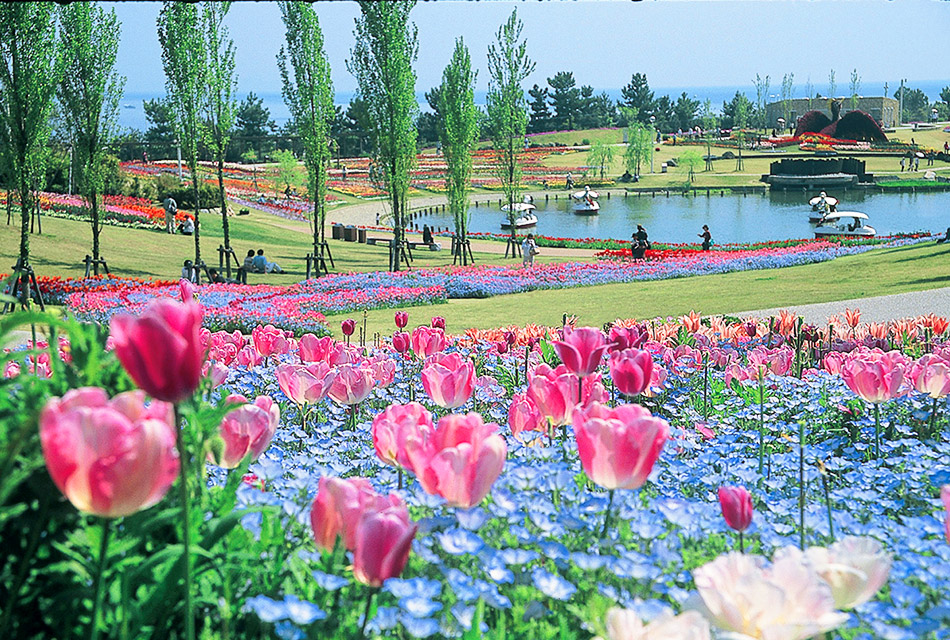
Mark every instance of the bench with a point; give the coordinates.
(431, 246)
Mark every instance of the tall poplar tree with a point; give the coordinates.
(508, 66)
(30, 67)
(308, 92)
(221, 107)
(184, 59)
(89, 93)
(458, 130)
(381, 60)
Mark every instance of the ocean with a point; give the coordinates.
(132, 115)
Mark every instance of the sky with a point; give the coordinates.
(677, 43)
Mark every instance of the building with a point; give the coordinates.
(883, 110)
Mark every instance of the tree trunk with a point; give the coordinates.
(24, 215)
(194, 186)
(95, 225)
(224, 204)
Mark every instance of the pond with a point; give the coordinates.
(731, 218)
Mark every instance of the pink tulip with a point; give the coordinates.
(248, 357)
(854, 567)
(247, 430)
(383, 542)
(461, 459)
(736, 505)
(523, 415)
(269, 341)
(305, 384)
(161, 349)
(657, 382)
(401, 342)
(438, 322)
(554, 393)
(352, 384)
(427, 341)
(348, 326)
(187, 290)
(775, 361)
(402, 319)
(384, 369)
(631, 370)
(592, 390)
(449, 379)
(109, 459)
(310, 348)
(683, 360)
(216, 372)
(833, 361)
(339, 506)
(618, 447)
(623, 338)
(625, 624)
(931, 375)
(397, 425)
(581, 349)
(12, 369)
(342, 353)
(945, 496)
(875, 377)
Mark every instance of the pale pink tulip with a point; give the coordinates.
(523, 415)
(461, 459)
(248, 357)
(875, 377)
(339, 506)
(657, 382)
(397, 425)
(931, 375)
(12, 369)
(833, 361)
(384, 369)
(581, 350)
(771, 361)
(109, 458)
(683, 360)
(785, 601)
(592, 390)
(215, 371)
(618, 447)
(855, 568)
(554, 393)
(625, 624)
(736, 505)
(449, 379)
(383, 542)
(305, 384)
(269, 341)
(352, 384)
(246, 430)
(631, 370)
(427, 341)
(310, 348)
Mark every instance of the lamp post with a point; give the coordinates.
(652, 141)
(900, 107)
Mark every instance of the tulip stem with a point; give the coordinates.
(97, 586)
(801, 484)
(369, 605)
(610, 502)
(933, 419)
(741, 543)
(303, 417)
(877, 430)
(831, 524)
(761, 422)
(705, 386)
(399, 486)
(186, 523)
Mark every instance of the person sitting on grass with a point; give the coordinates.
(262, 265)
(188, 271)
(187, 227)
(249, 263)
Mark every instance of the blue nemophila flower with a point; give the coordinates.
(460, 541)
(419, 627)
(328, 581)
(552, 585)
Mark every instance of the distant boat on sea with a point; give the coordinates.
(128, 106)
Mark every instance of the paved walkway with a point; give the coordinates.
(876, 309)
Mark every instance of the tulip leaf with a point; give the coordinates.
(548, 354)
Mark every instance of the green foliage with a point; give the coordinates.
(287, 175)
(161, 120)
(566, 100)
(386, 46)
(308, 92)
(761, 93)
(691, 159)
(637, 95)
(600, 155)
(90, 93)
(855, 88)
(508, 66)
(458, 132)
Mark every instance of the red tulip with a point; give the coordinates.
(339, 506)
(438, 322)
(402, 319)
(161, 349)
(631, 370)
(449, 379)
(618, 447)
(348, 326)
(581, 349)
(401, 342)
(247, 430)
(736, 504)
(461, 459)
(383, 542)
(109, 458)
(310, 348)
(269, 340)
(554, 392)
(397, 425)
(352, 384)
(305, 384)
(427, 341)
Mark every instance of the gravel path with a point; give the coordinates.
(876, 309)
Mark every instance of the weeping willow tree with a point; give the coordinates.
(308, 92)
(458, 130)
(381, 60)
(508, 66)
(90, 94)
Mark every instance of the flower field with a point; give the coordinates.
(704, 478)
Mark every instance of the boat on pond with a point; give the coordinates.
(525, 216)
(852, 224)
(820, 209)
(585, 202)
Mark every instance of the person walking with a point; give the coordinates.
(171, 209)
(903, 163)
(528, 251)
(706, 236)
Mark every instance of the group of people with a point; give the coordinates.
(186, 228)
(640, 242)
(259, 263)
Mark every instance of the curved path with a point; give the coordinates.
(875, 309)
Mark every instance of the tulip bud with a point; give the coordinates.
(736, 504)
(401, 342)
(438, 322)
(402, 319)
(348, 326)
